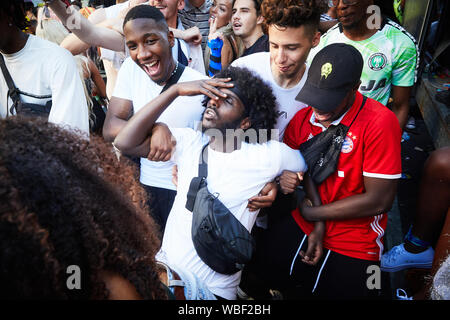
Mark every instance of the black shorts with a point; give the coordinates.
(277, 265)
(160, 202)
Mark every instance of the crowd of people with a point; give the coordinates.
(97, 171)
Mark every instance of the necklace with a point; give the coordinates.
(171, 75)
(174, 71)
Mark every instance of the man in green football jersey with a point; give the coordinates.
(389, 52)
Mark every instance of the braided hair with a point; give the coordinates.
(16, 10)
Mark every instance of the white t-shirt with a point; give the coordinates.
(43, 68)
(259, 63)
(116, 58)
(135, 85)
(113, 11)
(193, 53)
(235, 177)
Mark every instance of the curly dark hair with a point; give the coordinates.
(16, 10)
(293, 13)
(64, 201)
(257, 97)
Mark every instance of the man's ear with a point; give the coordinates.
(245, 124)
(260, 20)
(316, 39)
(180, 5)
(171, 38)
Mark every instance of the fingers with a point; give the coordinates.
(289, 181)
(265, 198)
(211, 87)
(160, 152)
(270, 189)
(258, 202)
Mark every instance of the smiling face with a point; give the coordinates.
(245, 18)
(169, 9)
(150, 45)
(221, 10)
(223, 114)
(289, 48)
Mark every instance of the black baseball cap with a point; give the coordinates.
(332, 74)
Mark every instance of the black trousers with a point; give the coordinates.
(277, 265)
(160, 202)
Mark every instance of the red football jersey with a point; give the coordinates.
(371, 148)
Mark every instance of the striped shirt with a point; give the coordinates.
(191, 16)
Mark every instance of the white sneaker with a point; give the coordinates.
(398, 259)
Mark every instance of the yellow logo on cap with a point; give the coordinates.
(326, 69)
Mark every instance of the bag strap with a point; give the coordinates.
(360, 108)
(196, 181)
(174, 78)
(203, 162)
(13, 92)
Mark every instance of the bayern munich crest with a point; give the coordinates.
(347, 146)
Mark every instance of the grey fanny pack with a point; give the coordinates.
(219, 238)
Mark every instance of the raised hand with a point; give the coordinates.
(209, 87)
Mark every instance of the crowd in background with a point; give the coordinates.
(100, 178)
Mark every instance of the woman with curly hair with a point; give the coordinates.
(223, 45)
(240, 110)
(67, 202)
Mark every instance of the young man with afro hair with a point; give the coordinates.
(240, 113)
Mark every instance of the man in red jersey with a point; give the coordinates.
(355, 198)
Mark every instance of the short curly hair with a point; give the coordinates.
(293, 13)
(67, 201)
(260, 101)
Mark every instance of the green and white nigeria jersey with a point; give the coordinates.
(390, 58)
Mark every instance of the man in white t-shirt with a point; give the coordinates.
(109, 34)
(235, 110)
(40, 68)
(292, 34)
(140, 80)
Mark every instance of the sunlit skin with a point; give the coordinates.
(150, 46)
(245, 21)
(289, 49)
(221, 12)
(169, 9)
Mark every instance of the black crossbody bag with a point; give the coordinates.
(20, 107)
(219, 238)
(321, 153)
